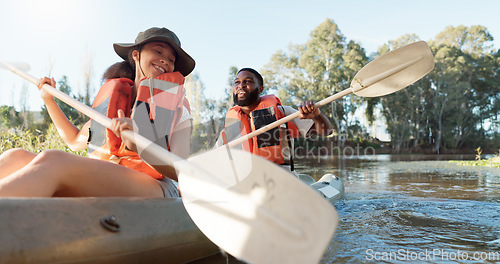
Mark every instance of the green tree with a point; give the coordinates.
(404, 110)
(72, 114)
(9, 117)
(85, 96)
(196, 97)
(227, 99)
(463, 82)
(449, 107)
(316, 70)
(220, 107)
(205, 117)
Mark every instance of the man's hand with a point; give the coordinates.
(308, 110)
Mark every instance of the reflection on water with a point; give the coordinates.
(413, 207)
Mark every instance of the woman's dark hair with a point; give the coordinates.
(123, 69)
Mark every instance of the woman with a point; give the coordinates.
(155, 57)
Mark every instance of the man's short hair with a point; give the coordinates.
(256, 73)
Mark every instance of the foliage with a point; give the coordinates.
(34, 141)
(491, 162)
(73, 115)
(9, 117)
(448, 108)
(456, 106)
(18, 130)
(18, 138)
(316, 70)
(485, 163)
(478, 155)
(207, 117)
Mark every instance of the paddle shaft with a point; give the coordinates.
(143, 142)
(245, 209)
(139, 140)
(19, 65)
(286, 119)
(358, 87)
(93, 114)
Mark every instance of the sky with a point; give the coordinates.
(60, 37)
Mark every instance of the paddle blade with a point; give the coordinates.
(394, 71)
(258, 212)
(20, 65)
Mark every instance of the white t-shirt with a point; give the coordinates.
(302, 124)
(184, 117)
(180, 146)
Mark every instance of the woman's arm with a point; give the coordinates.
(75, 138)
(82, 138)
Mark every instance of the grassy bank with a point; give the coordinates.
(34, 141)
(491, 162)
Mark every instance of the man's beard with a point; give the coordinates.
(251, 98)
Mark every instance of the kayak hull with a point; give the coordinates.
(99, 230)
(114, 230)
(329, 186)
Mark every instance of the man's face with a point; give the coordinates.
(246, 89)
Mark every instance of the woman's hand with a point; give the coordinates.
(120, 124)
(45, 80)
(308, 110)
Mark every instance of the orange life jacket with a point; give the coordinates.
(161, 97)
(269, 144)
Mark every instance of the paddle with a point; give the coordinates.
(386, 74)
(19, 65)
(263, 215)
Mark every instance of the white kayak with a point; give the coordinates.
(329, 186)
(113, 230)
(101, 230)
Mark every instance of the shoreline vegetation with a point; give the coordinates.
(36, 141)
(491, 162)
(446, 112)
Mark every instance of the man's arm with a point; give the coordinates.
(322, 125)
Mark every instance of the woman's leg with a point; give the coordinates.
(13, 160)
(57, 173)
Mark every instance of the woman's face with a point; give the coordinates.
(156, 58)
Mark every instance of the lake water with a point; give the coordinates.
(418, 208)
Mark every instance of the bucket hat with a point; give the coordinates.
(183, 63)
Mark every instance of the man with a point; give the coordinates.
(253, 111)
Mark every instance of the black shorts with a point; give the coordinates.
(169, 188)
